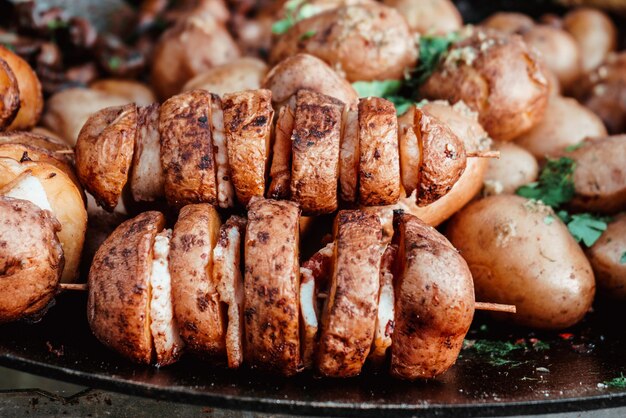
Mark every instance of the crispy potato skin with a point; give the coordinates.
(379, 161)
(605, 258)
(31, 259)
(9, 95)
(272, 287)
(248, 118)
(315, 152)
(119, 297)
(496, 75)
(31, 95)
(28, 152)
(365, 41)
(304, 71)
(434, 301)
(104, 152)
(516, 258)
(513, 169)
(349, 317)
(600, 175)
(429, 16)
(566, 122)
(197, 309)
(187, 149)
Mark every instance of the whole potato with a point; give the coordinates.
(133, 91)
(509, 22)
(9, 95)
(565, 123)
(513, 169)
(558, 50)
(187, 49)
(608, 259)
(595, 34)
(304, 71)
(240, 74)
(517, 257)
(429, 16)
(496, 75)
(364, 41)
(31, 95)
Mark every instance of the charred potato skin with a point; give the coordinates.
(315, 152)
(9, 95)
(195, 298)
(104, 153)
(434, 301)
(503, 66)
(248, 118)
(605, 257)
(349, 318)
(31, 261)
(271, 287)
(379, 163)
(119, 299)
(187, 149)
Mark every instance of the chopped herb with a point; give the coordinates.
(548, 220)
(539, 345)
(57, 24)
(618, 382)
(9, 47)
(115, 63)
(555, 185)
(307, 35)
(584, 227)
(432, 50)
(295, 11)
(377, 88)
(622, 259)
(574, 147)
(496, 351)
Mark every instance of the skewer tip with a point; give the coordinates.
(495, 307)
(73, 286)
(483, 154)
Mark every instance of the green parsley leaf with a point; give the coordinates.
(57, 24)
(586, 228)
(281, 26)
(307, 35)
(9, 47)
(622, 259)
(377, 88)
(432, 50)
(295, 11)
(496, 352)
(574, 147)
(555, 185)
(115, 63)
(541, 345)
(618, 382)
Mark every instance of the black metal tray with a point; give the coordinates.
(569, 375)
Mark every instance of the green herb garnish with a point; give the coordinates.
(9, 47)
(57, 24)
(115, 63)
(495, 351)
(307, 35)
(295, 11)
(377, 88)
(622, 259)
(432, 50)
(574, 147)
(584, 227)
(540, 345)
(618, 382)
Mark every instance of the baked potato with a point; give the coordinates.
(608, 260)
(429, 16)
(594, 33)
(9, 95)
(509, 22)
(132, 91)
(515, 168)
(240, 74)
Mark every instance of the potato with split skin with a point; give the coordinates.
(565, 123)
(608, 260)
(30, 93)
(43, 143)
(434, 301)
(31, 259)
(496, 75)
(594, 33)
(9, 95)
(104, 152)
(515, 168)
(551, 283)
(429, 16)
(272, 286)
(368, 41)
(304, 71)
(240, 74)
(187, 154)
(65, 201)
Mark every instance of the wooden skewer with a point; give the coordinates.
(65, 151)
(73, 286)
(483, 154)
(495, 307)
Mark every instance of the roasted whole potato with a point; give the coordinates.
(496, 75)
(520, 253)
(429, 16)
(30, 93)
(65, 200)
(31, 259)
(509, 22)
(600, 175)
(9, 95)
(132, 91)
(515, 168)
(595, 34)
(68, 110)
(565, 123)
(187, 49)
(304, 71)
(237, 75)
(558, 50)
(365, 41)
(608, 260)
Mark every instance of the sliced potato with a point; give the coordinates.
(9, 95)
(147, 181)
(280, 172)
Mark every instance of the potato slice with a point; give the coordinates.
(9, 95)
(434, 301)
(349, 317)
(147, 181)
(385, 315)
(315, 152)
(379, 165)
(349, 156)
(104, 152)
(31, 259)
(187, 149)
(194, 289)
(248, 118)
(227, 274)
(280, 172)
(118, 306)
(225, 189)
(272, 287)
(67, 205)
